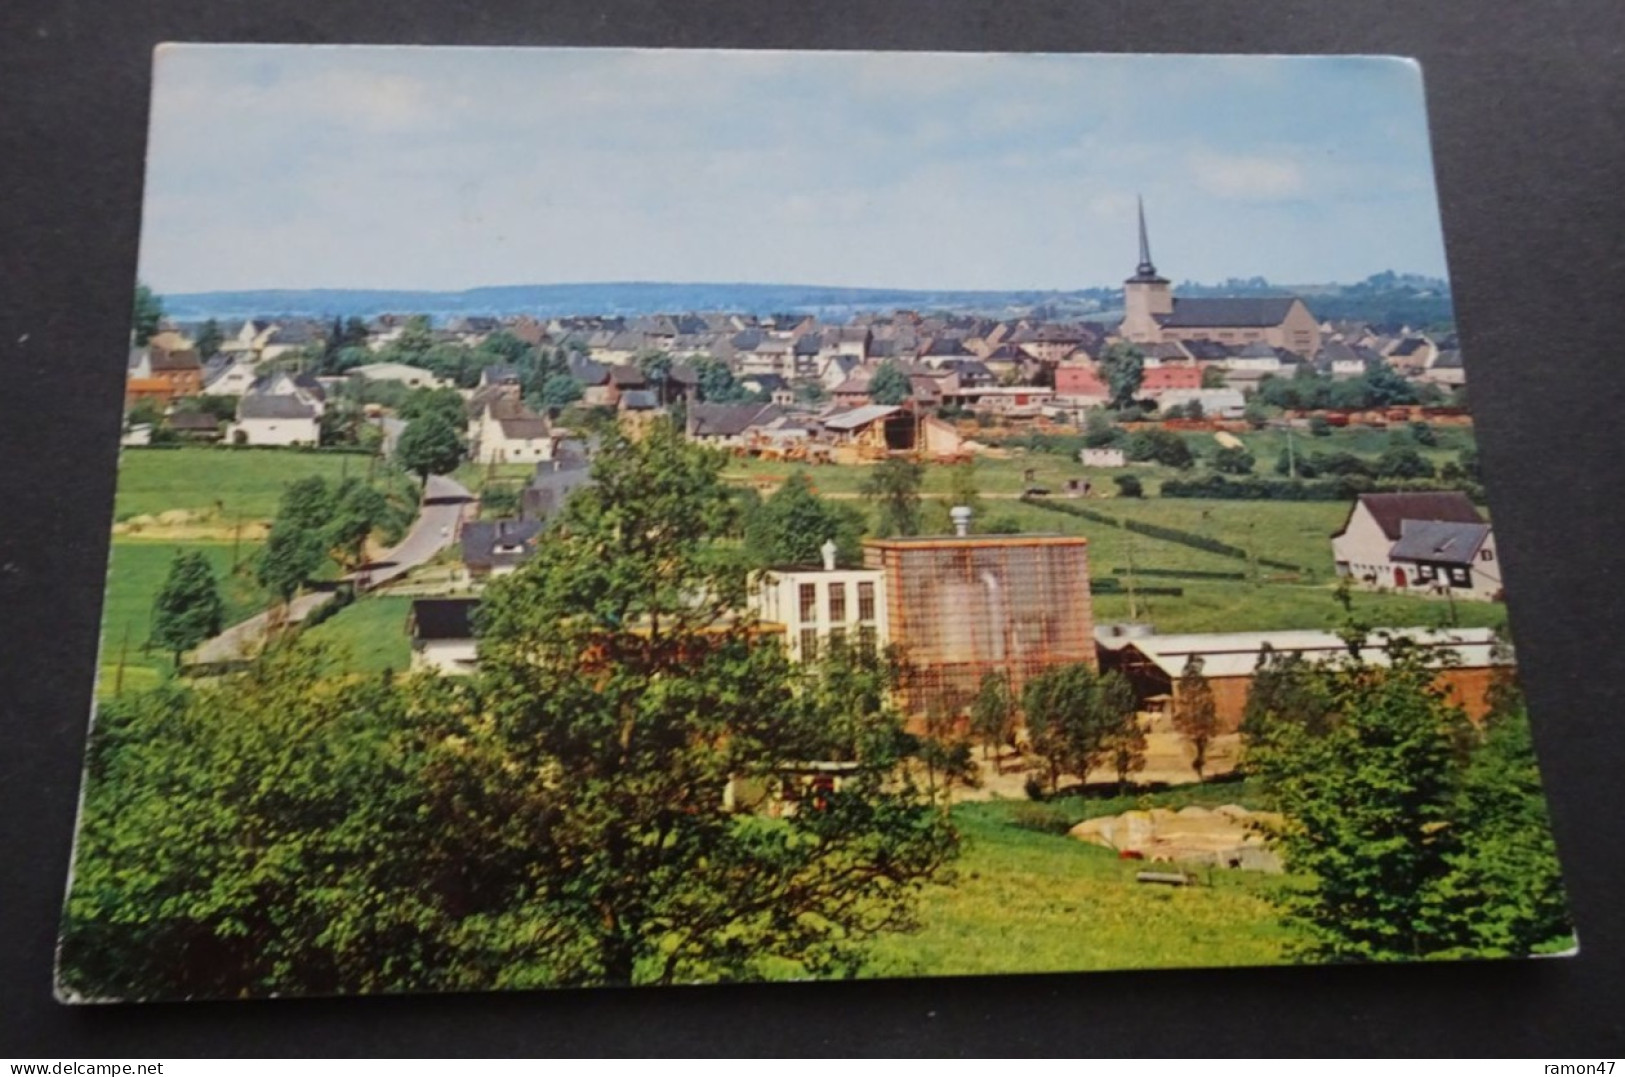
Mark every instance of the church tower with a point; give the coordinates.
(1145, 295)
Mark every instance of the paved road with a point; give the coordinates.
(443, 506)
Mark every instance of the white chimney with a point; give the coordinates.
(960, 515)
(828, 549)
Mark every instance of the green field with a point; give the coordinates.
(136, 575)
(1296, 532)
(372, 633)
(235, 483)
(1029, 900)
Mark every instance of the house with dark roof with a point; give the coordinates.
(728, 424)
(497, 547)
(553, 482)
(1432, 542)
(1152, 313)
(442, 634)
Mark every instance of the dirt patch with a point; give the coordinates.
(179, 525)
(1229, 836)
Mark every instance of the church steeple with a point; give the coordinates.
(1147, 298)
(1145, 272)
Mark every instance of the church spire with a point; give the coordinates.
(1145, 272)
(1145, 268)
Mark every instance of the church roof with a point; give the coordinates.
(1260, 312)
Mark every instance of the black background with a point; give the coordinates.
(1529, 135)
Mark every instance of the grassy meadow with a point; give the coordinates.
(234, 483)
(1297, 532)
(1027, 898)
(136, 575)
(371, 632)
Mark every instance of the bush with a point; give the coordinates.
(1129, 486)
(1319, 427)
(1043, 818)
(1233, 460)
(1034, 788)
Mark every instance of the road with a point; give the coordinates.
(444, 503)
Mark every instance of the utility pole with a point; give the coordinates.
(236, 540)
(1291, 454)
(1252, 553)
(123, 656)
(1133, 614)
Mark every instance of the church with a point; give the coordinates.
(1153, 315)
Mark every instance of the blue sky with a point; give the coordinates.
(346, 167)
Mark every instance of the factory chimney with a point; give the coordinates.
(960, 515)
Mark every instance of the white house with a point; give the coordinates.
(1216, 403)
(818, 606)
(503, 431)
(1425, 543)
(234, 378)
(1102, 458)
(279, 409)
(267, 419)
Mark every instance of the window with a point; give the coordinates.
(866, 639)
(1424, 573)
(1459, 576)
(837, 603)
(837, 639)
(1486, 555)
(809, 603)
(809, 644)
(866, 602)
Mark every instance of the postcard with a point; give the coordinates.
(617, 517)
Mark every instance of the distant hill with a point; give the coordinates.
(629, 298)
(1385, 298)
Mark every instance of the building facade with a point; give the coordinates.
(961, 607)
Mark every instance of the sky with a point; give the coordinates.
(451, 168)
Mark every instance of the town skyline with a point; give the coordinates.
(414, 170)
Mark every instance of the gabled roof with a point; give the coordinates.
(489, 543)
(1439, 542)
(639, 400)
(728, 420)
(851, 420)
(1257, 350)
(1391, 510)
(1247, 313)
(520, 424)
(627, 376)
(193, 420)
(1207, 350)
(272, 406)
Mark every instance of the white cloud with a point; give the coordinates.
(1247, 178)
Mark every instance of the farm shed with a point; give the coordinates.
(1153, 664)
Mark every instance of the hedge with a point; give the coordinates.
(1167, 534)
(1341, 488)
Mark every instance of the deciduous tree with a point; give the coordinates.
(1077, 719)
(188, 609)
(148, 314)
(1196, 714)
(791, 526)
(615, 665)
(1123, 368)
(430, 445)
(893, 486)
(889, 384)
